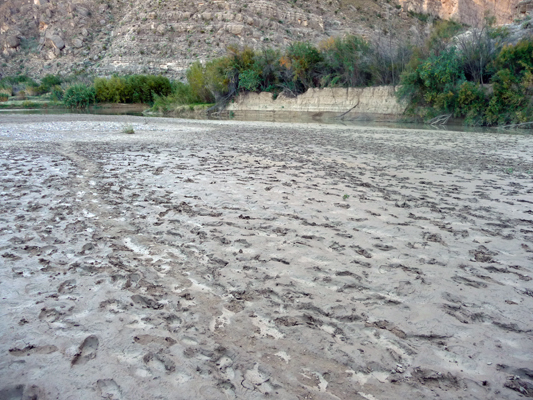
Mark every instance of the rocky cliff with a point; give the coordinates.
(470, 12)
(165, 36)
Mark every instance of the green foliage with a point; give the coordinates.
(440, 75)
(431, 84)
(303, 59)
(345, 62)
(441, 35)
(131, 89)
(50, 81)
(18, 79)
(482, 80)
(197, 80)
(79, 96)
(517, 59)
(249, 80)
(219, 75)
(471, 103)
(57, 93)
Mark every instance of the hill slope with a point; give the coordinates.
(166, 36)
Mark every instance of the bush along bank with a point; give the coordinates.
(337, 62)
(478, 75)
(129, 89)
(83, 91)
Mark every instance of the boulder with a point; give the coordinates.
(235, 29)
(13, 41)
(57, 42)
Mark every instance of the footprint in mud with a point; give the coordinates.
(146, 339)
(469, 282)
(146, 302)
(359, 250)
(384, 247)
(67, 287)
(87, 350)
(53, 314)
(159, 362)
(21, 392)
(433, 237)
(482, 254)
(31, 349)
(108, 389)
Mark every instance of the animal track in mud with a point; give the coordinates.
(31, 349)
(159, 362)
(279, 265)
(146, 339)
(22, 392)
(87, 350)
(108, 389)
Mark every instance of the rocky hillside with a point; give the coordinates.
(166, 36)
(470, 12)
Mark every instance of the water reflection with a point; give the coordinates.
(270, 116)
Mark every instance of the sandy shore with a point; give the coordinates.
(227, 260)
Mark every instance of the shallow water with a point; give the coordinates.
(271, 116)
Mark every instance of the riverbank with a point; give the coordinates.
(222, 259)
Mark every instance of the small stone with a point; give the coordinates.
(77, 43)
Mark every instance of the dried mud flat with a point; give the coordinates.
(226, 260)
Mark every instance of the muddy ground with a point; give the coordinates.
(227, 260)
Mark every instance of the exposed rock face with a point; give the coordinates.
(377, 102)
(152, 36)
(470, 12)
(525, 7)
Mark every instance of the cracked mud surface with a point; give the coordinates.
(223, 260)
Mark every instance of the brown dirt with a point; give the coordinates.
(241, 260)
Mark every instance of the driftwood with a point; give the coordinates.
(440, 120)
(343, 114)
(524, 125)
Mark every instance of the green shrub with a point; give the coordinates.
(49, 82)
(131, 89)
(79, 96)
(57, 93)
(471, 103)
(17, 79)
(197, 79)
(302, 60)
(7, 90)
(430, 85)
(345, 62)
(266, 63)
(3, 97)
(249, 80)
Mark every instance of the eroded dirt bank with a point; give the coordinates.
(220, 260)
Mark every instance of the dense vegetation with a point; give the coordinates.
(480, 77)
(337, 62)
(477, 76)
(76, 92)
